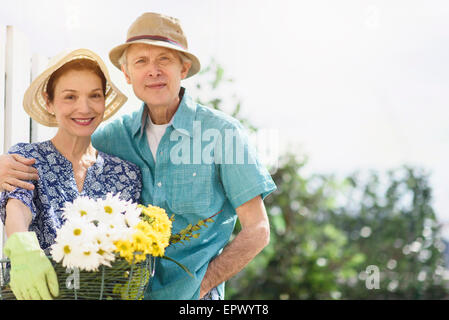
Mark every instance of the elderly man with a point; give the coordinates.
(196, 163)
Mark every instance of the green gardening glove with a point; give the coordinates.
(32, 274)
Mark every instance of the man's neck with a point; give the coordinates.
(163, 114)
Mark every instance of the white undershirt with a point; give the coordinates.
(155, 133)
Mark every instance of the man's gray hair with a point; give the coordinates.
(123, 60)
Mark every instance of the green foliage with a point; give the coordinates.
(307, 256)
(389, 216)
(326, 231)
(187, 233)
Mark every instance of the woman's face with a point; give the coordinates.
(78, 102)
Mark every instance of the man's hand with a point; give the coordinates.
(253, 237)
(15, 170)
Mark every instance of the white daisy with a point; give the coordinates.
(105, 244)
(109, 207)
(60, 249)
(81, 207)
(88, 258)
(76, 231)
(132, 214)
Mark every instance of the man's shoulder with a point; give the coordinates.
(126, 121)
(123, 125)
(215, 118)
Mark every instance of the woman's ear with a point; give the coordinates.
(48, 104)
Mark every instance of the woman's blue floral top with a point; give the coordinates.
(57, 184)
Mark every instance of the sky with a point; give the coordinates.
(352, 84)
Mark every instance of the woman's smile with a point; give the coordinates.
(83, 121)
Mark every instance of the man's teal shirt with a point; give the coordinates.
(204, 165)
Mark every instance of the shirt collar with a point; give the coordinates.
(181, 121)
(185, 115)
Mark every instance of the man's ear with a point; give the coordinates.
(185, 69)
(125, 72)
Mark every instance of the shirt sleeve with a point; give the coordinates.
(24, 195)
(114, 138)
(242, 175)
(103, 136)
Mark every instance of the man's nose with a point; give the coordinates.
(153, 70)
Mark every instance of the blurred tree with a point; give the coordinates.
(390, 219)
(307, 255)
(325, 231)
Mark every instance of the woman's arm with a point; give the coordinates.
(18, 217)
(32, 274)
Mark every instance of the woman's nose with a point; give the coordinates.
(84, 105)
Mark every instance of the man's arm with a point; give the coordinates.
(253, 237)
(14, 169)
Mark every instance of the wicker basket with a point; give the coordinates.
(121, 281)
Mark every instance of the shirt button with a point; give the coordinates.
(159, 184)
(194, 174)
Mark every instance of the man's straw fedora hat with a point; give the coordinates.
(34, 101)
(157, 30)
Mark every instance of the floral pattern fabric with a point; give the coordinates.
(57, 185)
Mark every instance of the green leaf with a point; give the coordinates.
(179, 264)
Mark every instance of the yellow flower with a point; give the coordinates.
(143, 226)
(157, 227)
(124, 248)
(139, 241)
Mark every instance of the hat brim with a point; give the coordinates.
(117, 52)
(34, 102)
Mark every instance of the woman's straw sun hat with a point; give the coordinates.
(34, 101)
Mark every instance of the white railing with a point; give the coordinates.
(18, 66)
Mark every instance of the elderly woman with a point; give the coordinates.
(75, 94)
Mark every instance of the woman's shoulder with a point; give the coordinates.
(32, 150)
(113, 163)
(121, 176)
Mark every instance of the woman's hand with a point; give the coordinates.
(15, 170)
(32, 274)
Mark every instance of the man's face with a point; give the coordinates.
(155, 74)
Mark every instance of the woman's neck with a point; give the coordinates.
(78, 150)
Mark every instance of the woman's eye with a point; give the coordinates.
(96, 96)
(70, 97)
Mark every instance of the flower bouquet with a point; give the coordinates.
(106, 249)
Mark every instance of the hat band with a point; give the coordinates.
(157, 38)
